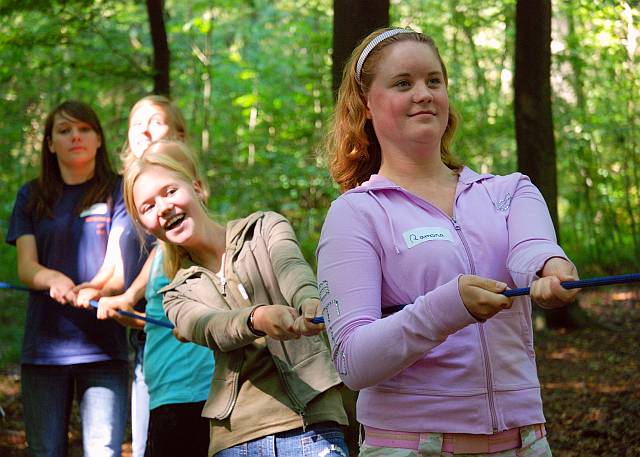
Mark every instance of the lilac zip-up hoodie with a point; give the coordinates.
(432, 367)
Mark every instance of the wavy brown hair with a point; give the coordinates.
(351, 143)
(46, 189)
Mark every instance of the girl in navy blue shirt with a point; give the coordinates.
(60, 226)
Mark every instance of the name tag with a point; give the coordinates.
(95, 209)
(420, 235)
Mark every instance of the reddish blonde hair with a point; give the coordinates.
(351, 143)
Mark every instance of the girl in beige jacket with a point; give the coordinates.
(244, 290)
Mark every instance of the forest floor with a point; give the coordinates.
(590, 384)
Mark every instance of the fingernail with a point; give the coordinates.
(501, 285)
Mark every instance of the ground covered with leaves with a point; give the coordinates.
(590, 382)
(591, 378)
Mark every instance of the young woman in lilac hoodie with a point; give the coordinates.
(454, 371)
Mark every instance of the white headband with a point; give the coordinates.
(372, 44)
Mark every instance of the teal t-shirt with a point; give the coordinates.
(175, 372)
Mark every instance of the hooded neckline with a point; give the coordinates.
(377, 182)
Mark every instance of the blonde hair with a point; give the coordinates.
(179, 159)
(351, 143)
(173, 117)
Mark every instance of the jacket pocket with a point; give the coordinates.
(510, 351)
(454, 367)
(224, 385)
(305, 367)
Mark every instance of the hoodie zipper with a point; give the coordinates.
(221, 276)
(298, 407)
(483, 339)
(223, 282)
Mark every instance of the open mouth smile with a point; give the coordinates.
(174, 222)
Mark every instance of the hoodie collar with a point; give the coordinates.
(378, 182)
(237, 229)
(468, 176)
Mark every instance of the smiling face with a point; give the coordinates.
(168, 206)
(407, 101)
(148, 123)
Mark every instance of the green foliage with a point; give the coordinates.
(12, 316)
(596, 91)
(476, 41)
(264, 74)
(596, 115)
(253, 79)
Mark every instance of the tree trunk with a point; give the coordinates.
(352, 21)
(534, 122)
(161, 55)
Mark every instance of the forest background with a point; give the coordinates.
(255, 81)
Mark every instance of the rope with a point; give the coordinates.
(6, 285)
(580, 284)
(94, 303)
(150, 320)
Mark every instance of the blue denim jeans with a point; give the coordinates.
(324, 440)
(139, 399)
(47, 395)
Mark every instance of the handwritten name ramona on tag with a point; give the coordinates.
(421, 235)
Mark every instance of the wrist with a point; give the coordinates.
(553, 265)
(107, 292)
(251, 322)
(130, 298)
